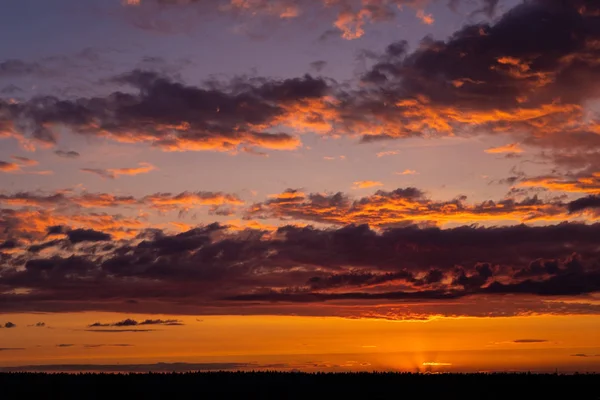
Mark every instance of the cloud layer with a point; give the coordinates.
(317, 272)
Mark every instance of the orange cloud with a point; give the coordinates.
(407, 172)
(409, 206)
(288, 195)
(144, 168)
(585, 184)
(33, 226)
(366, 184)
(114, 173)
(8, 167)
(351, 17)
(509, 148)
(188, 200)
(25, 161)
(427, 19)
(158, 201)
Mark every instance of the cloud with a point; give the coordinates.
(87, 235)
(585, 355)
(387, 153)
(450, 87)
(11, 348)
(9, 167)
(67, 154)
(530, 341)
(32, 215)
(132, 322)
(113, 173)
(509, 148)
(366, 184)
(584, 203)
(404, 206)
(161, 201)
(318, 65)
(582, 184)
(143, 368)
(10, 325)
(223, 116)
(65, 345)
(407, 172)
(24, 161)
(441, 88)
(349, 18)
(425, 18)
(13, 68)
(119, 330)
(351, 271)
(33, 225)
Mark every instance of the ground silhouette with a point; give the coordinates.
(296, 385)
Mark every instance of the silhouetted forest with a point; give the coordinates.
(286, 385)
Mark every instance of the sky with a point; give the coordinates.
(316, 185)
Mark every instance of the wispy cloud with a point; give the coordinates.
(67, 154)
(407, 172)
(387, 153)
(114, 173)
(530, 341)
(509, 148)
(366, 184)
(24, 161)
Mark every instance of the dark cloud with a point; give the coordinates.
(10, 325)
(87, 235)
(11, 348)
(288, 270)
(24, 161)
(318, 65)
(530, 341)
(65, 345)
(119, 330)
(100, 172)
(584, 203)
(14, 68)
(483, 78)
(67, 154)
(585, 355)
(173, 322)
(159, 367)
(176, 117)
(56, 230)
(9, 245)
(486, 77)
(36, 248)
(132, 322)
(94, 346)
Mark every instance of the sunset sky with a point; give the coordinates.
(316, 185)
